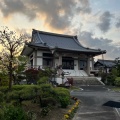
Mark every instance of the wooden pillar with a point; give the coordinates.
(60, 59)
(88, 66)
(35, 59)
(92, 63)
(53, 60)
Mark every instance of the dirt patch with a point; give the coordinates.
(56, 112)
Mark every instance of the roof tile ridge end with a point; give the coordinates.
(76, 40)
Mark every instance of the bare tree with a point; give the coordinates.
(12, 46)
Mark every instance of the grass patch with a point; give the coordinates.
(74, 88)
(116, 88)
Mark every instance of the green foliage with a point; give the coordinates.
(43, 80)
(64, 101)
(47, 72)
(45, 111)
(31, 115)
(63, 96)
(1, 114)
(114, 71)
(14, 113)
(118, 69)
(104, 77)
(1, 97)
(117, 81)
(60, 91)
(111, 79)
(3, 79)
(48, 101)
(4, 89)
(21, 95)
(46, 87)
(22, 60)
(20, 87)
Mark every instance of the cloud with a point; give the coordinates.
(58, 13)
(118, 23)
(105, 21)
(86, 38)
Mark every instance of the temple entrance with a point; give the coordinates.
(83, 64)
(68, 63)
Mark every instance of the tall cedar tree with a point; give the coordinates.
(12, 46)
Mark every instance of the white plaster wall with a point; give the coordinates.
(39, 53)
(39, 61)
(33, 57)
(91, 65)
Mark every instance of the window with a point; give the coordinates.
(47, 60)
(68, 63)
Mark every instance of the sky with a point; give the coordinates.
(95, 22)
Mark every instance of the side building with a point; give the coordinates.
(104, 65)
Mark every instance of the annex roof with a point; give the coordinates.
(107, 63)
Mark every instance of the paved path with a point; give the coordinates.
(98, 103)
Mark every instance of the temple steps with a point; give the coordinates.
(77, 81)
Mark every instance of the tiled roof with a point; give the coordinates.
(107, 63)
(48, 40)
(53, 40)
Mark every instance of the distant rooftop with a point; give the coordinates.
(107, 63)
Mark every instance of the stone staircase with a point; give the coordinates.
(77, 81)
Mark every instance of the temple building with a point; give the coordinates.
(51, 50)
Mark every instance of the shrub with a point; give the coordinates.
(4, 89)
(45, 111)
(42, 80)
(62, 96)
(14, 113)
(111, 79)
(60, 90)
(103, 77)
(64, 101)
(1, 97)
(48, 101)
(46, 87)
(1, 114)
(21, 95)
(117, 81)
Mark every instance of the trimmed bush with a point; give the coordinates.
(62, 96)
(64, 101)
(46, 87)
(26, 93)
(42, 80)
(14, 113)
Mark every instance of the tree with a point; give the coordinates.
(11, 48)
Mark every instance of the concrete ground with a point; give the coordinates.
(98, 103)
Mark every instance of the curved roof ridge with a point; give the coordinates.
(56, 34)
